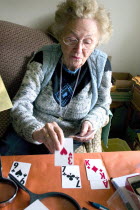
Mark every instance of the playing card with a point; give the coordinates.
(36, 205)
(71, 177)
(20, 171)
(97, 174)
(64, 157)
(83, 137)
(99, 184)
(95, 169)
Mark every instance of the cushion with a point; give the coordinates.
(17, 45)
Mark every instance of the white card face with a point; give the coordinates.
(20, 171)
(96, 173)
(71, 177)
(36, 205)
(64, 157)
(95, 169)
(99, 184)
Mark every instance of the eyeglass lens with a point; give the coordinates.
(86, 43)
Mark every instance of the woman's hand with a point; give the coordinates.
(51, 135)
(87, 132)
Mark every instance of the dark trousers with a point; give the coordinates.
(12, 144)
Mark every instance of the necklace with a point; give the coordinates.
(62, 115)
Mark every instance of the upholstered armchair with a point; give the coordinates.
(17, 43)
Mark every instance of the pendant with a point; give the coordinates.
(60, 118)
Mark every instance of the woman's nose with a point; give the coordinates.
(79, 46)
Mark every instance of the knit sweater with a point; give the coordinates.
(34, 104)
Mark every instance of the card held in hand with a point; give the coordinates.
(20, 171)
(64, 157)
(71, 177)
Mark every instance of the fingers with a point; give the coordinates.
(89, 136)
(51, 135)
(49, 145)
(60, 134)
(56, 135)
(87, 133)
(86, 126)
(47, 141)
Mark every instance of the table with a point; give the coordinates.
(45, 177)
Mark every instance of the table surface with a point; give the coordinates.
(45, 177)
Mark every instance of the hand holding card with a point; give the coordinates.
(85, 137)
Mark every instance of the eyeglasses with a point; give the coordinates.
(87, 43)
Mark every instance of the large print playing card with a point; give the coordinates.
(71, 177)
(36, 205)
(20, 171)
(95, 169)
(64, 157)
(97, 174)
(99, 184)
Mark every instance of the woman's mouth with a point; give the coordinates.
(76, 57)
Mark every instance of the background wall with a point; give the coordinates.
(124, 46)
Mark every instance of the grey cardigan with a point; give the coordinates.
(31, 111)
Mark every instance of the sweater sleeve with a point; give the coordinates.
(100, 112)
(23, 120)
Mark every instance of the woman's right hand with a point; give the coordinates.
(51, 135)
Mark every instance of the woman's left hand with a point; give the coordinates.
(87, 132)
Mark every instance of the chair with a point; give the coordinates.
(17, 43)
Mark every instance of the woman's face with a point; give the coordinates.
(76, 53)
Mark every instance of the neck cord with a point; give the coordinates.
(60, 94)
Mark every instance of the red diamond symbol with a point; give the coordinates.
(95, 168)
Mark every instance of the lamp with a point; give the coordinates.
(5, 102)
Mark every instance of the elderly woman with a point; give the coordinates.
(66, 89)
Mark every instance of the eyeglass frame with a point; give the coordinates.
(77, 41)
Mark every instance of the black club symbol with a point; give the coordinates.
(71, 177)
